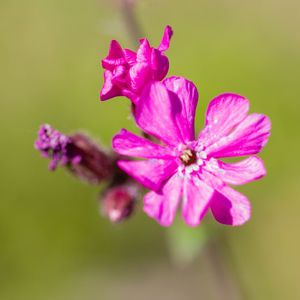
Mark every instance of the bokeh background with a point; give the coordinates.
(53, 242)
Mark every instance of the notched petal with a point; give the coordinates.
(162, 206)
(224, 112)
(115, 56)
(156, 113)
(165, 43)
(129, 144)
(247, 170)
(248, 138)
(196, 201)
(150, 173)
(230, 207)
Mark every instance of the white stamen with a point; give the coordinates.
(180, 174)
(195, 167)
(180, 169)
(199, 162)
(189, 169)
(203, 154)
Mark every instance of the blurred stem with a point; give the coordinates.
(222, 284)
(133, 27)
(204, 245)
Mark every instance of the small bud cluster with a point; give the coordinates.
(91, 163)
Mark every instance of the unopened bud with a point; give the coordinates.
(119, 201)
(96, 164)
(55, 145)
(86, 160)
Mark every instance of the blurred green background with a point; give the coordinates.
(53, 242)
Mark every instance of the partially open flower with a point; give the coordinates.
(126, 72)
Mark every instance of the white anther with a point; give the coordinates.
(203, 154)
(195, 167)
(199, 162)
(189, 169)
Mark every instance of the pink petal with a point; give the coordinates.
(230, 207)
(150, 173)
(223, 114)
(187, 94)
(129, 144)
(130, 95)
(242, 172)
(196, 200)
(130, 57)
(164, 44)
(139, 76)
(115, 56)
(143, 53)
(109, 90)
(249, 137)
(159, 65)
(119, 71)
(162, 206)
(155, 113)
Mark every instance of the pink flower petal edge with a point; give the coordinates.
(157, 169)
(162, 205)
(129, 144)
(230, 207)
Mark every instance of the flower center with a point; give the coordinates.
(188, 157)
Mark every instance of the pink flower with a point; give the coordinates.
(189, 168)
(126, 72)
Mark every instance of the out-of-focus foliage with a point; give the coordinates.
(54, 244)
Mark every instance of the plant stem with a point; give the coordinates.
(133, 27)
(222, 284)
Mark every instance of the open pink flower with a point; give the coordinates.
(189, 168)
(126, 72)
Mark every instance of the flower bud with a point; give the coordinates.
(95, 165)
(86, 160)
(119, 201)
(55, 145)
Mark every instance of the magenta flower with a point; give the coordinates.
(126, 72)
(189, 168)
